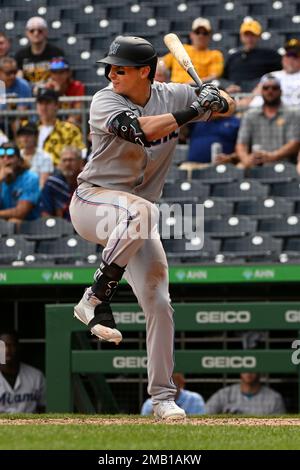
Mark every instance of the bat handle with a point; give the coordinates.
(192, 72)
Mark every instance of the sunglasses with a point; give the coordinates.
(201, 33)
(292, 54)
(11, 72)
(9, 152)
(270, 87)
(39, 30)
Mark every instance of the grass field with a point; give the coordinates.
(72, 432)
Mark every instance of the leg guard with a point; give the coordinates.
(106, 279)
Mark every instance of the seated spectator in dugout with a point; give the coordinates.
(54, 134)
(38, 160)
(248, 397)
(62, 82)
(191, 402)
(22, 387)
(19, 187)
(58, 190)
(269, 133)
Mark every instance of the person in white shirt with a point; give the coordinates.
(22, 387)
(40, 161)
(289, 77)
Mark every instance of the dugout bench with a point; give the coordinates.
(62, 362)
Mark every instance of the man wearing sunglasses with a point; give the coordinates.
(289, 76)
(271, 132)
(208, 63)
(19, 187)
(134, 128)
(34, 60)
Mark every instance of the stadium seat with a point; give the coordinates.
(15, 248)
(239, 191)
(288, 190)
(231, 226)
(217, 207)
(275, 173)
(185, 191)
(175, 174)
(218, 174)
(69, 249)
(281, 227)
(46, 228)
(6, 228)
(177, 249)
(265, 208)
(255, 245)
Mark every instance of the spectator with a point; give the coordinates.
(19, 187)
(191, 402)
(22, 387)
(208, 63)
(204, 134)
(57, 192)
(54, 134)
(289, 76)
(249, 397)
(14, 86)
(62, 82)
(247, 65)
(38, 160)
(34, 60)
(4, 45)
(272, 127)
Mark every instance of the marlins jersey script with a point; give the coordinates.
(124, 166)
(27, 394)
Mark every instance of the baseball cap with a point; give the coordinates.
(27, 129)
(47, 94)
(268, 77)
(251, 26)
(36, 22)
(293, 45)
(201, 23)
(59, 63)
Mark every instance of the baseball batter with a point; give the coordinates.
(134, 127)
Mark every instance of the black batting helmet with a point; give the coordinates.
(130, 51)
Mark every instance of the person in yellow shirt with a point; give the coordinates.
(208, 63)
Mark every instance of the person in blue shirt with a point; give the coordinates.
(191, 402)
(15, 87)
(59, 187)
(19, 187)
(204, 134)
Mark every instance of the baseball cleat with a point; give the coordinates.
(168, 410)
(98, 317)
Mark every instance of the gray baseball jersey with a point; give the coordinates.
(124, 166)
(232, 400)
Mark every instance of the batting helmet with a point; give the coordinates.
(130, 51)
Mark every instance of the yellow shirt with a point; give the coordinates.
(64, 133)
(207, 62)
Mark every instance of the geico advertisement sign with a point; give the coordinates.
(130, 362)
(292, 316)
(226, 316)
(232, 362)
(129, 317)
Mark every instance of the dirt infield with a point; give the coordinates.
(137, 421)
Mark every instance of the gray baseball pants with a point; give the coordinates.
(126, 226)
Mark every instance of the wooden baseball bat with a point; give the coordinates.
(176, 48)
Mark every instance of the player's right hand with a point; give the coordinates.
(210, 97)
